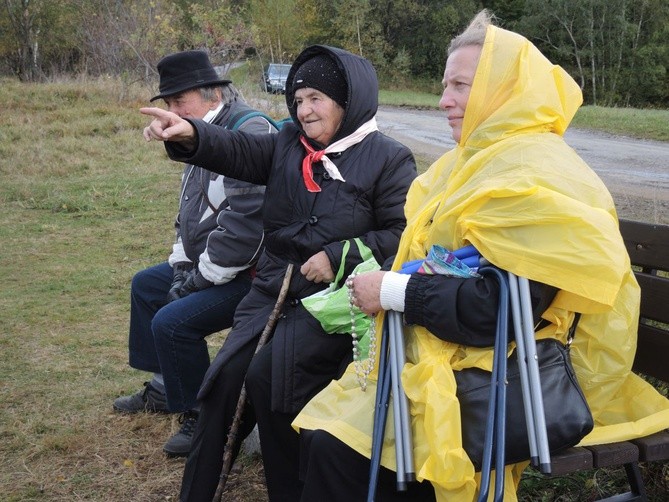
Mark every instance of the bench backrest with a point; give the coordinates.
(648, 247)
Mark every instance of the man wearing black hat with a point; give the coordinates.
(219, 235)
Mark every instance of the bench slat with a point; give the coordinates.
(646, 243)
(651, 353)
(607, 455)
(654, 296)
(570, 460)
(653, 447)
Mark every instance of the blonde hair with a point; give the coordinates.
(474, 34)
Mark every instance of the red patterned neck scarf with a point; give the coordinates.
(314, 155)
(307, 165)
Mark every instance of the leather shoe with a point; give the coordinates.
(150, 399)
(179, 444)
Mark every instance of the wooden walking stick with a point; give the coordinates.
(237, 420)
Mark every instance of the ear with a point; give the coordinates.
(219, 98)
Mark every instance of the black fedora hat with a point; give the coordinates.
(186, 70)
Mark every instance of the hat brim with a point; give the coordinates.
(185, 88)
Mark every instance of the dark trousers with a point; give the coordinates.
(333, 472)
(217, 410)
(279, 441)
(170, 338)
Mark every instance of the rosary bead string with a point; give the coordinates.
(363, 367)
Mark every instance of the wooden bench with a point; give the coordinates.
(648, 247)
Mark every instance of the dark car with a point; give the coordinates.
(274, 77)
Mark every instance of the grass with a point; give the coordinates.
(646, 124)
(85, 203)
(409, 99)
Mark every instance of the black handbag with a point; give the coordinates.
(568, 416)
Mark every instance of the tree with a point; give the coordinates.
(352, 21)
(615, 49)
(37, 37)
(222, 30)
(277, 29)
(603, 43)
(24, 22)
(421, 30)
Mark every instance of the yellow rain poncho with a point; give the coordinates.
(530, 205)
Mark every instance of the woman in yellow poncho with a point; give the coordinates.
(530, 205)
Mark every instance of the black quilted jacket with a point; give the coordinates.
(298, 224)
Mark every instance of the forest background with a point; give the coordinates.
(616, 50)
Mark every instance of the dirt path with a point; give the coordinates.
(635, 171)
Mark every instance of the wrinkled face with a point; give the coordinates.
(319, 115)
(189, 104)
(458, 78)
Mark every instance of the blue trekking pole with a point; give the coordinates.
(495, 423)
(380, 413)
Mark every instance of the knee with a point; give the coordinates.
(158, 326)
(318, 442)
(320, 452)
(164, 324)
(139, 282)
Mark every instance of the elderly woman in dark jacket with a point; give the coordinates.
(331, 176)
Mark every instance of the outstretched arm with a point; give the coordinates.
(168, 126)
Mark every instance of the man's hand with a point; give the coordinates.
(168, 126)
(317, 268)
(193, 283)
(180, 273)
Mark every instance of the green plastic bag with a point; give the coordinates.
(332, 308)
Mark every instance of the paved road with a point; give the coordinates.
(630, 168)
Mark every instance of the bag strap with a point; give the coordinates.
(572, 328)
(365, 254)
(240, 117)
(344, 252)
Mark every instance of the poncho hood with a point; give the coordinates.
(517, 90)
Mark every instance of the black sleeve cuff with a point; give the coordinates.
(414, 299)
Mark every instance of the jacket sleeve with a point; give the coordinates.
(235, 244)
(178, 253)
(463, 311)
(237, 154)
